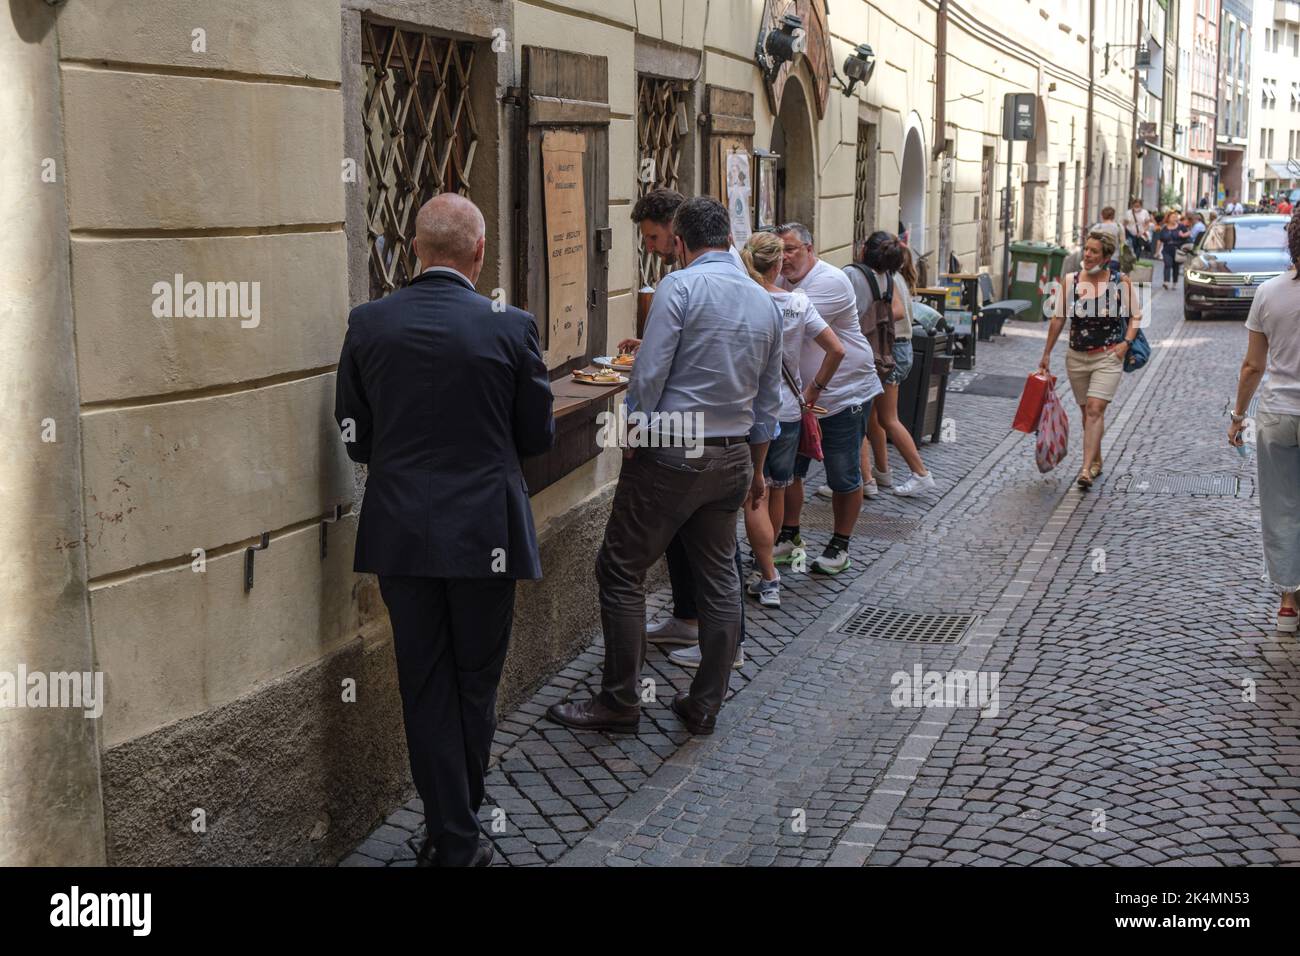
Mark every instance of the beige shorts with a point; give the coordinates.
(1094, 374)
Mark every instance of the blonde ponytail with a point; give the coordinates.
(761, 252)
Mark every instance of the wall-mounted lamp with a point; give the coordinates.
(779, 46)
(858, 67)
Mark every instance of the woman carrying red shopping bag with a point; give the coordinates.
(1100, 306)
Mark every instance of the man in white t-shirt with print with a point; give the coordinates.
(846, 397)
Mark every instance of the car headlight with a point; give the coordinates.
(1196, 275)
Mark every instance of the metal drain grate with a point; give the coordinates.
(1166, 483)
(906, 627)
(819, 516)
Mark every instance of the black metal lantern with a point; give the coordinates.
(858, 67)
(779, 46)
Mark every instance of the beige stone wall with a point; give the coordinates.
(204, 140)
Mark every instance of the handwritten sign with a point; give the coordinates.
(566, 245)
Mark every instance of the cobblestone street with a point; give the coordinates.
(1144, 711)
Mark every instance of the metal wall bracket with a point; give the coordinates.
(262, 545)
(339, 512)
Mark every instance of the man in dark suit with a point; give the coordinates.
(441, 394)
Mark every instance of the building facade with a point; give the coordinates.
(1274, 154)
(188, 524)
(1233, 134)
(1203, 98)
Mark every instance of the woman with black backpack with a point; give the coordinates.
(882, 273)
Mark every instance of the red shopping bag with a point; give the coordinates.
(1053, 434)
(810, 436)
(1031, 402)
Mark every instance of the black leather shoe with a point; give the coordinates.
(427, 854)
(593, 715)
(700, 726)
(483, 854)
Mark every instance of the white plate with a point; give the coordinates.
(622, 380)
(607, 361)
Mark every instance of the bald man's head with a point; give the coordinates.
(449, 231)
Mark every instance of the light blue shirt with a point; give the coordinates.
(712, 345)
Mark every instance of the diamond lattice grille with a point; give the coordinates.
(659, 151)
(861, 173)
(420, 138)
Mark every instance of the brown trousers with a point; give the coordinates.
(661, 493)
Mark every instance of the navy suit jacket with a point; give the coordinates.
(445, 395)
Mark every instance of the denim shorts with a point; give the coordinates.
(902, 362)
(778, 466)
(842, 435)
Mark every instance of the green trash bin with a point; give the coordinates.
(1033, 266)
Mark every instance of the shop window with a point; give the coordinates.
(864, 188)
(420, 136)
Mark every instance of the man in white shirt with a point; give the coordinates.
(1137, 227)
(846, 397)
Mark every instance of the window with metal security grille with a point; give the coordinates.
(661, 128)
(420, 136)
(864, 183)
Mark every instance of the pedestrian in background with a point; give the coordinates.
(1099, 304)
(1137, 227)
(1112, 228)
(1171, 235)
(1274, 347)
(443, 395)
(847, 398)
(890, 263)
(802, 328)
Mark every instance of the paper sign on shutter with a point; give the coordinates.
(566, 244)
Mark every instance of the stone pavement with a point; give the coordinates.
(1145, 712)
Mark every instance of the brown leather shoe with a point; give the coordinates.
(593, 715)
(700, 726)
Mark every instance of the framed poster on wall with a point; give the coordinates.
(765, 204)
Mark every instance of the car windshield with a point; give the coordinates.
(1227, 236)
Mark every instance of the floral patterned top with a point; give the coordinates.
(1098, 321)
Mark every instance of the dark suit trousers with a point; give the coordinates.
(661, 494)
(450, 636)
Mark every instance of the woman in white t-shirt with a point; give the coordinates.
(802, 328)
(1274, 347)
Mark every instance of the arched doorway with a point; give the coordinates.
(911, 189)
(796, 190)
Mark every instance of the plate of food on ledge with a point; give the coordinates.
(623, 362)
(599, 376)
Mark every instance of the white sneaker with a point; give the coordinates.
(783, 551)
(838, 562)
(769, 593)
(884, 478)
(915, 485)
(824, 491)
(871, 489)
(672, 631)
(690, 657)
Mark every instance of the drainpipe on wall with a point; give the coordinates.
(1088, 121)
(940, 80)
(939, 143)
(1135, 174)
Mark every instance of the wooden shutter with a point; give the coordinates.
(564, 91)
(729, 124)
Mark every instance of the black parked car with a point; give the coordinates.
(1230, 261)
